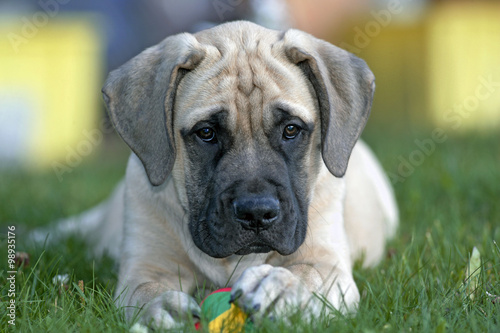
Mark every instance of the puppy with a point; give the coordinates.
(245, 170)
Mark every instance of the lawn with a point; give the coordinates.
(449, 199)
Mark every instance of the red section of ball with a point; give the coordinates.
(222, 290)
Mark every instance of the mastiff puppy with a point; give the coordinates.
(246, 171)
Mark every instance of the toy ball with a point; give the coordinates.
(221, 315)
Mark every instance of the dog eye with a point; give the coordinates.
(207, 134)
(291, 132)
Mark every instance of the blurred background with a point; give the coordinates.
(434, 126)
(437, 64)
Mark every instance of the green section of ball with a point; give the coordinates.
(215, 304)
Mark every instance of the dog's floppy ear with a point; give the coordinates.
(344, 86)
(140, 97)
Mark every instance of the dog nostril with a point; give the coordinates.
(256, 213)
(269, 215)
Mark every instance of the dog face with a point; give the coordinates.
(241, 118)
(246, 130)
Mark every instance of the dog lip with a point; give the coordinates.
(255, 247)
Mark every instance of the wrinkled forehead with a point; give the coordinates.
(250, 79)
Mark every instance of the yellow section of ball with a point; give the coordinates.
(229, 321)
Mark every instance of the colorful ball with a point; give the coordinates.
(222, 316)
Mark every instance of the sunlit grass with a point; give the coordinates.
(449, 204)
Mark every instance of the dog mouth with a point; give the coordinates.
(255, 247)
(211, 238)
(216, 244)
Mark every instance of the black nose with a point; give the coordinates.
(256, 213)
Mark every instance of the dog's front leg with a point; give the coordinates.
(266, 290)
(158, 297)
(155, 282)
(322, 266)
(271, 291)
(163, 307)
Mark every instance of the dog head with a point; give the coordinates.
(242, 118)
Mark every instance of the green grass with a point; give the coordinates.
(449, 204)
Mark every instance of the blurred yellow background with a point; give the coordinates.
(437, 63)
(50, 88)
(440, 69)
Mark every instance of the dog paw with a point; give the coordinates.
(170, 310)
(274, 292)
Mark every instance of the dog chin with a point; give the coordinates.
(254, 248)
(225, 252)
